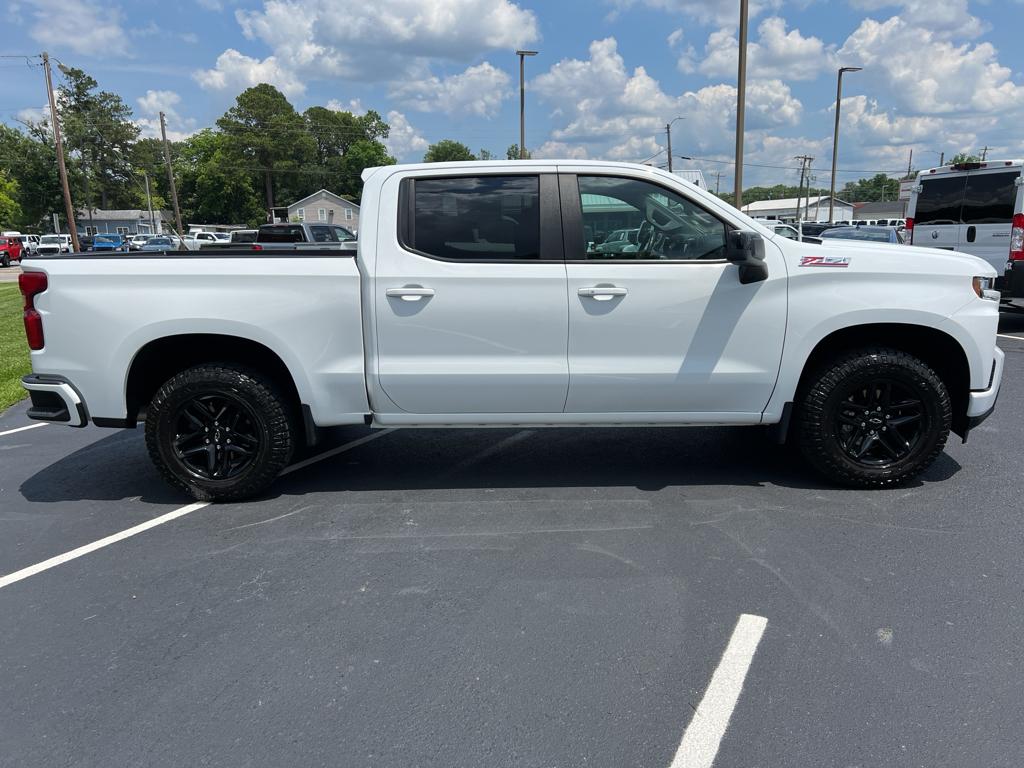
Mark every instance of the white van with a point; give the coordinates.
(968, 207)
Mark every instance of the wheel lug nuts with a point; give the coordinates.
(207, 441)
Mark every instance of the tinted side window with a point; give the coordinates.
(658, 224)
(940, 200)
(477, 218)
(281, 235)
(990, 198)
(343, 235)
(322, 234)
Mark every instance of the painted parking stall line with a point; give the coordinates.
(23, 429)
(1010, 336)
(711, 719)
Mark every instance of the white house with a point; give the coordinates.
(327, 207)
(814, 208)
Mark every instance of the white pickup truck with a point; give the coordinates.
(478, 297)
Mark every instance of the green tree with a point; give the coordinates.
(360, 155)
(28, 158)
(964, 157)
(212, 188)
(878, 187)
(341, 139)
(447, 150)
(266, 136)
(10, 209)
(512, 153)
(98, 128)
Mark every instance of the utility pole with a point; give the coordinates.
(170, 181)
(805, 166)
(718, 181)
(62, 168)
(668, 133)
(835, 141)
(984, 152)
(910, 161)
(149, 204)
(741, 99)
(522, 100)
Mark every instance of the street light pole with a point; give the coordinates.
(835, 141)
(522, 100)
(741, 99)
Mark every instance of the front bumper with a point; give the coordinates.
(981, 403)
(54, 398)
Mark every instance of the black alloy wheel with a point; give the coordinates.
(880, 422)
(216, 436)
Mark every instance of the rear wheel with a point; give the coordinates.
(220, 432)
(874, 418)
(5, 260)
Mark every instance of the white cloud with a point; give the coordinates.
(152, 104)
(34, 114)
(776, 53)
(478, 90)
(79, 26)
(925, 74)
(717, 12)
(942, 18)
(234, 72)
(610, 112)
(403, 141)
(559, 149)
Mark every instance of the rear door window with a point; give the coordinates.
(286, 234)
(322, 234)
(990, 198)
(940, 200)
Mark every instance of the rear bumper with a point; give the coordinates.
(1012, 286)
(54, 398)
(981, 403)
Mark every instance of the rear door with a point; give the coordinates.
(990, 200)
(469, 294)
(937, 214)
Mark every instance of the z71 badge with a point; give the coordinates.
(825, 261)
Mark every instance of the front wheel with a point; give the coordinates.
(220, 432)
(5, 260)
(873, 418)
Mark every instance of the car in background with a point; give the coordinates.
(50, 244)
(868, 234)
(158, 243)
(136, 242)
(815, 228)
(109, 241)
(619, 241)
(29, 243)
(300, 235)
(10, 251)
(196, 240)
(244, 236)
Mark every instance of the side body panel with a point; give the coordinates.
(99, 312)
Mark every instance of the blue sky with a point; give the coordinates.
(940, 75)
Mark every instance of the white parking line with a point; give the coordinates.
(22, 429)
(705, 731)
(106, 541)
(1008, 336)
(32, 570)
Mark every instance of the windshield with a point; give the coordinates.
(108, 239)
(159, 241)
(50, 239)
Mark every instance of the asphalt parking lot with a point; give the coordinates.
(513, 598)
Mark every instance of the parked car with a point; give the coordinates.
(815, 228)
(10, 251)
(109, 242)
(50, 244)
(474, 301)
(158, 243)
(135, 242)
(243, 236)
(304, 236)
(858, 232)
(619, 241)
(781, 228)
(29, 243)
(196, 240)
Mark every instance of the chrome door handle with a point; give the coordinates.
(602, 292)
(409, 294)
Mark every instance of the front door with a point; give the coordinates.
(469, 296)
(666, 327)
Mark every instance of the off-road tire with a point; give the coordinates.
(823, 403)
(5, 260)
(270, 414)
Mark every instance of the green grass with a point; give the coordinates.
(13, 348)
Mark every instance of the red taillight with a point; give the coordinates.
(1017, 238)
(257, 247)
(910, 230)
(31, 284)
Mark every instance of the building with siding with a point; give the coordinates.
(131, 221)
(326, 207)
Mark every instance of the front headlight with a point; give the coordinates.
(984, 288)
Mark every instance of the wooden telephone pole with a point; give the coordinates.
(170, 182)
(69, 209)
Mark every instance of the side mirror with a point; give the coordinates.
(746, 250)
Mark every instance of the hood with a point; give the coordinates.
(897, 259)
